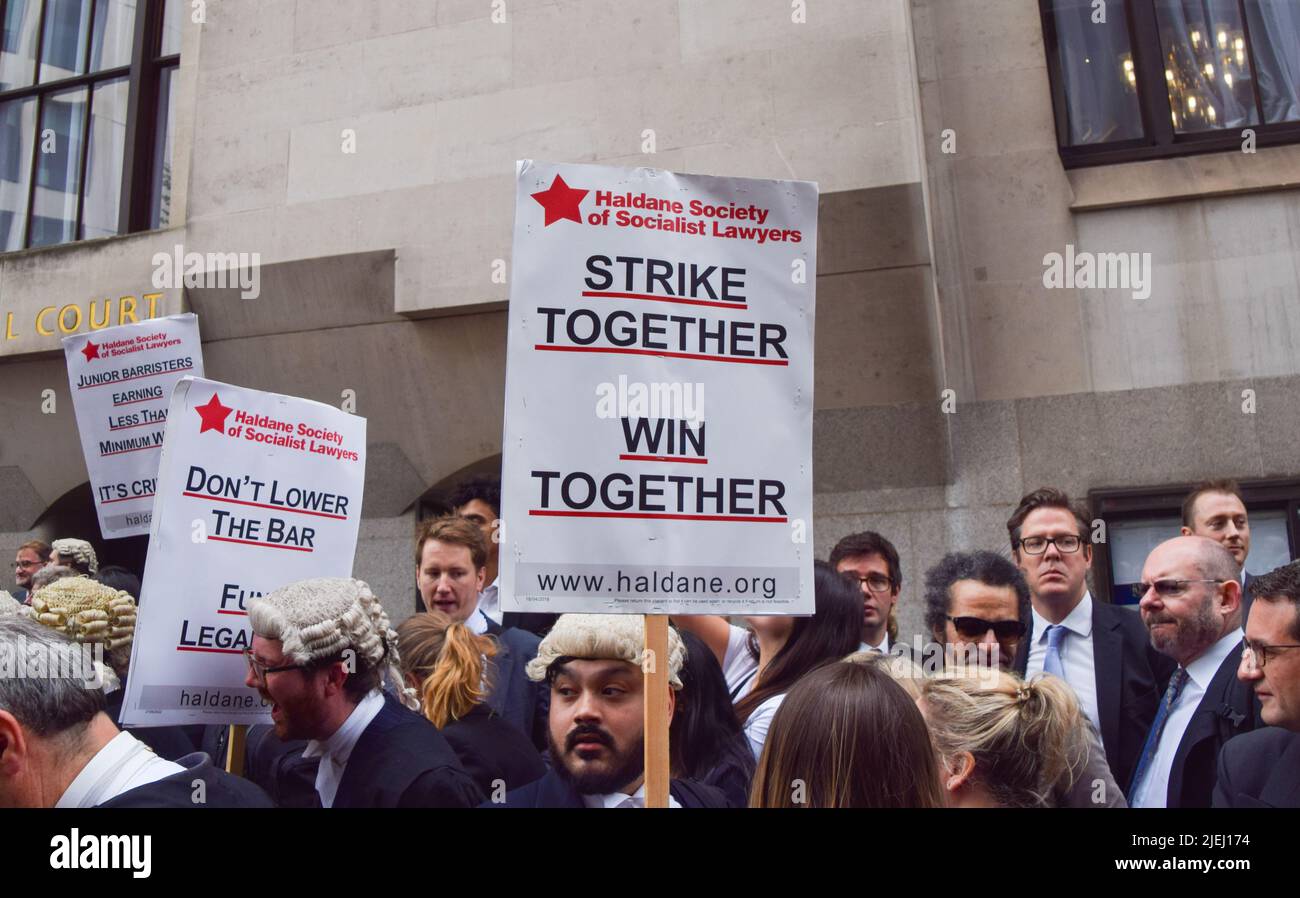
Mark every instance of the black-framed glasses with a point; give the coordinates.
(875, 583)
(1254, 655)
(1037, 545)
(1167, 588)
(260, 670)
(976, 627)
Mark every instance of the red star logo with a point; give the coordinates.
(560, 201)
(213, 415)
(90, 350)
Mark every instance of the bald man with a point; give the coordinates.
(1191, 606)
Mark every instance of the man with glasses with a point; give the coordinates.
(1262, 768)
(1101, 650)
(319, 653)
(976, 604)
(32, 556)
(1191, 605)
(872, 560)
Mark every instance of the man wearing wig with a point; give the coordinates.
(319, 653)
(596, 722)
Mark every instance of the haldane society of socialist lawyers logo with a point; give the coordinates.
(90, 350)
(560, 202)
(213, 414)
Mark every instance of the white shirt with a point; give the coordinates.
(883, 648)
(739, 666)
(335, 751)
(489, 601)
(477, 622)
(124, 763)
(760, 722)
(1077, 660)
(623, 800)
(1153, 791)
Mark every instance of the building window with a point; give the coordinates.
(1139, 520)
(86, 104)
(1144, 79)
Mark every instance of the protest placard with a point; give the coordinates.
(255, 490)
(121, 380)
(658, 417)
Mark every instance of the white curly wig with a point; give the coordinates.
(321, 618)
(612, 637)
(78, 550)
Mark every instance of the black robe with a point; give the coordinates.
(180, 790)
(494, 751)
(553, 791)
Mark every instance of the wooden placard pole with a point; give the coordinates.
(235, 748)
(656, 711)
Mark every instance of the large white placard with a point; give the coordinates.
(658, 416)
(121, 380)
(255, 490)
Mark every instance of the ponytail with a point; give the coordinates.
(449, 661)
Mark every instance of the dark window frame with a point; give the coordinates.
(1161, 141)
(143, 74)
(1135, 503)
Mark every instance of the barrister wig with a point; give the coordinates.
(77, 553)
(87, 611)
(604, 637)
(318, 621)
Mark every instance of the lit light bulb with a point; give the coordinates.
(1174, 116)
(1191, 104)
(1227, 79)
(1196, 38)
(1241, 57)
(1239, 44)
(1128, 65)
(1209, 70)
(1169, 76)
(1223, 38)
(1209, 110)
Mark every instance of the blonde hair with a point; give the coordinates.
(904, 671)
(449, 660)
(1023, 736)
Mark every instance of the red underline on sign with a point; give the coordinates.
(120, 451)
(653, 516)
(138, 424)
(136, 377)
(134, 401)
(319, 514)
(224, 611)
(126, 499)
(680, 458)
(662, 354)
(195, 648)
(251, 542)
(674, 299)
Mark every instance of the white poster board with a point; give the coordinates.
(121, 380)
(658, 415)
(255, 490)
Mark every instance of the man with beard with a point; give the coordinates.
(597, 729)
(319, 652)
(1100, 649)
(32, 556)
(1191, 605)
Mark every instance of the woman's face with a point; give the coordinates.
(771, 627)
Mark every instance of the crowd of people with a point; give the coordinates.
(1028, 691)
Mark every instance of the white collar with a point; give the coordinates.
(614, 799)
(883, 648)
(122, 764)
(338, 747)
(477, 622)
(1202, 670)
(1078, 621)
(489, 600)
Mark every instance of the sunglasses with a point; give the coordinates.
(976, 627)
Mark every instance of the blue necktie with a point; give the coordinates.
(1052, 662)
(1176, 684)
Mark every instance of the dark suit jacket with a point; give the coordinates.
(400, 761)
(1131, 679)
(1260, 770)
(1245, 599)
(221, 789)
(1228, 709)
(514, 697)
(552, 791)
(494, 751)
(538, 624)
